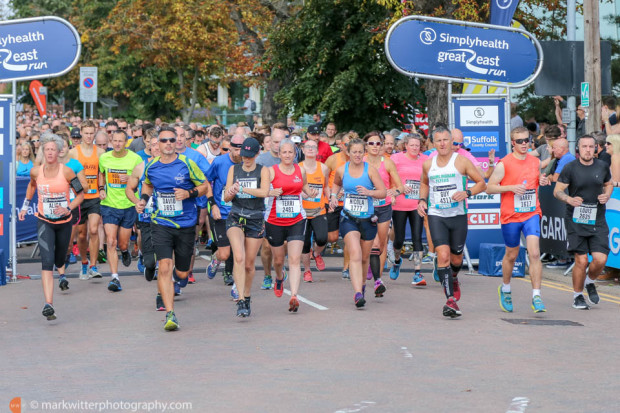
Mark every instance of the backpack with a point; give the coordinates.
(252, 105)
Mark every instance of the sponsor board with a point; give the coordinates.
(483, 219)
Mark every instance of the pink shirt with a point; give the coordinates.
(410, 172)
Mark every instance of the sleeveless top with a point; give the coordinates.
(520, 208)
(91, 170)
(385, 177)
(445, 182)
(316, 180)
(358, 206)
(53, 192)
(410, 172)
(341, 159)
(246, 205)
(210, 155)
(285, 210)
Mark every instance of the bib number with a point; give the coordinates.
(168, 206)
(92, 181)
(356, 205)
(378, 202)
(585, 214)
(50, 204)
(319, 189)
(526, 202)
(288, 206)
(247, 183)
(442, 196)
(415, 189)
(114, 178)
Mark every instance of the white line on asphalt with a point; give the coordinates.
(356, 407)
(305, 300)
(518, 405)
(406, 352)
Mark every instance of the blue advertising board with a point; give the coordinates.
(613, 221)
(5, 179)
(502, 11)
(37, 48)
(454, 50)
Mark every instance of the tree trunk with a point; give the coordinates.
(271, 109)
(437, 101)
(189, 112)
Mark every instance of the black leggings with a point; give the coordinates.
(148, 252)
(318, 227)
(416, 223)
(53, 243)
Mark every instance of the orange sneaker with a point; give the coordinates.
(308, 276)
(279, 288)
(293, 305)
(318, 261)
(191, 279)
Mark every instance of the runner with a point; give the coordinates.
(589, 184)
(87, 154)
(53, 182)
(409, 168)
(516, 178)
(176, 181)
(247, 184)
(210, 149)
(443, 191)
(358, 223)
(383, 207)
(118, 212)
(317, 175)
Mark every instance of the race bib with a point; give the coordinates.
(585, 214)
(247, 183)
(92, 181)
(114, 178)
(168, 206)
(50, 204)
(222, 202)
(356, 205)
(526, 202)
(415, 189)
(288, 206)
(378, 202)
(148, 209)
(442, 196)
(319, 189)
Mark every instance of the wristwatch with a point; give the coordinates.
(240, 189)
(468, 192)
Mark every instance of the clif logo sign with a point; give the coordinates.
(483, 219)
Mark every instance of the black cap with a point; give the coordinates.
(314, 129)
(75, 133)
(250, 148)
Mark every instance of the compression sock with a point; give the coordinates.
(228, 266)
(375, 263)
(447, 280)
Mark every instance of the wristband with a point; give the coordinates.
(397, 192)
(424, 199)
(211, 201)
(26, 204)
(193, 193)
(102, 188)
(240, 189)
(333, 194)
(145, 197)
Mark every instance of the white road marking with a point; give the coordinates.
(356, 407)
(406, 352)
(305, 300)
(518, 405)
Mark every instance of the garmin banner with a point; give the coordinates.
(37, 48)
(461, 51)
(502, 11)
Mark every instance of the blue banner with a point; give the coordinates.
(613, 221)
(450, 49)
(37, 48)
(502, 11)
(26, 229)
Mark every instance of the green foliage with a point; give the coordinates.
(330, 60)
(531, 105)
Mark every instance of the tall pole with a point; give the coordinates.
(592, 62)
(13, 191)
(571, 132)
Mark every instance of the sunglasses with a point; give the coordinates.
(34, 140)
(608, 143)
(374, 143)
(237, 145)
(224, 149)
(457, 144)
(521, 141)
(166, 140)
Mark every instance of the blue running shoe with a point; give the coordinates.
(435, 273)
(212, 268)
(72, 258)
(345, 274)
(505, 300)
(427, 259)
(418, 280)
(181, 281)
(141, 264)
(395, 270)
(537, 304)
(234, 293)
(115, 285)
(267, 283)
(177, 289)
(171, 322)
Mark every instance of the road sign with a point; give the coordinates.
(37, 48)
(442, 49)
(585, 94)
(88, 84)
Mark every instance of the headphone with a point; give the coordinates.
(587, 137)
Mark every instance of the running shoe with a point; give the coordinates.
(285, 273)
(451, 309)
(390, 254)
(247, 305)
(149, 274)
(359, 300)
(267, 283)
(63, 284)
(72, 258)
(159, 303)
(75, 250)
(190, 278)
(435, 273)
(212, 268)
(319, 263)
(140, 264)
(93, 273)
(293, 304)
(593, 297)
(228, 279)
(115, 285)
(557, 264)
(171, 321)
(177, 289)
(203, 237)
(234, 293)
(242, 310)
(395, 270)
(418, 280)
(427, 259)
(457, 289)
(345, 274)
(279, 288)
(49, 312)
(308, 276)
(181, 281)
(505, 300)
(84, 272)
(379, 288)
(537, 304)
(126, 257)
(369, 275)
(102, 257)
(580, 303)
